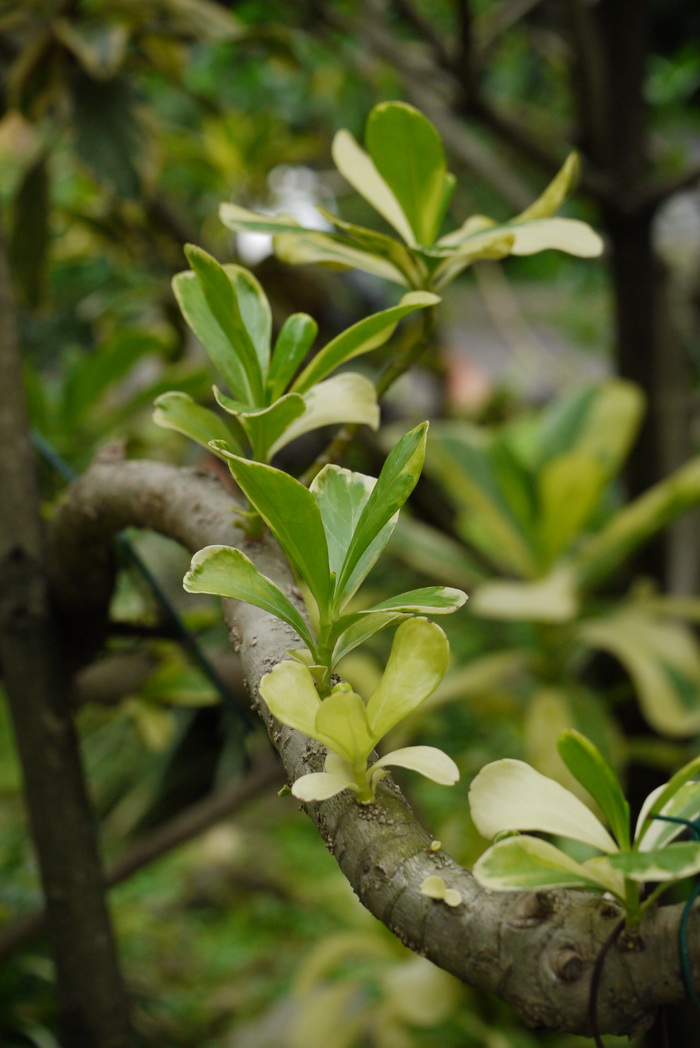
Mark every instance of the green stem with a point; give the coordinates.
(633, 909)
(393, 371)
(410, 355)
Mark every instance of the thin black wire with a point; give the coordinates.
(595, 983)
(185, 637)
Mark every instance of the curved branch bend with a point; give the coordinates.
(535, 950)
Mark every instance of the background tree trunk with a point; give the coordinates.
(91, 993)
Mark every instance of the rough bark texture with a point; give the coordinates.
(535, 950)
(92, 999)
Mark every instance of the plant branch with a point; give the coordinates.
(409, 356)
(535, 950)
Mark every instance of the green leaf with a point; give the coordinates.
(486, 248)
(306, 246)
(510, 795)
(359, 170)
(684, 804)
(265, 429)
(255, 312)
(478, 233)
(293, 343)
(396, 481)
(408, 153)
(663, 660)
(417, 663)
(359, 632)
(670, 863)
(589, 767)
(556, 192)
(345, 398)
(320, 785)
(663, 796)
(179, 411)
(290, 511)
(195, 309)
(600, 420)
(362, 337)
(227, 572)
(291, 696)
(341, 495)
(427, 760)
(527, 863)
(431, 600)
(341, 723)
(233, 305)
(559, 234)
(241, 220)
(387, 247)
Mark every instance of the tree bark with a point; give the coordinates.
(92, 998)
(535, 950)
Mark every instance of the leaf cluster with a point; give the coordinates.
(509, 795)
(403, 175)
(332, 534)
(275, 399)
(536, 499)
(351, 729)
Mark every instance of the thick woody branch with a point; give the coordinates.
(535, 950)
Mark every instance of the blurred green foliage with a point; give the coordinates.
(123, 124)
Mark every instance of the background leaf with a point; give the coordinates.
(109, 133)
(28, 240)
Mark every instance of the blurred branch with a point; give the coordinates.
(179, 830)
(502, 17)
(659, 193)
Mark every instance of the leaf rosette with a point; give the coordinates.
(274, 397)
(351, 729)
(509, 795)
(403, 175)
